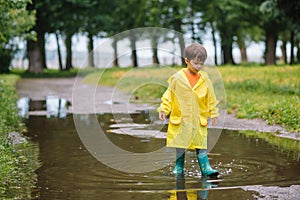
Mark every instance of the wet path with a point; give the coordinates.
(83, 98)
(249, 167)
(101, 99)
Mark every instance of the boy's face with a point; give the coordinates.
(194, 65)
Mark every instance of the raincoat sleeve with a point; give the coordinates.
(213, 110)
(166, 100)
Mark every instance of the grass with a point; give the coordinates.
(9, 118)
(145, 84)
(271, 93)
(16, 164)
(48, 73)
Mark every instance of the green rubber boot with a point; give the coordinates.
(204, 165)
(180, 157)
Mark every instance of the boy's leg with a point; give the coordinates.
(180, 157)
(204, 165)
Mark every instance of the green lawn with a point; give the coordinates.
(271, 93)
(17, 166)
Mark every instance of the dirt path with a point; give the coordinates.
(92, 99)
(84, 98)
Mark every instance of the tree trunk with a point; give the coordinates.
(41, 43)
(173, 52)
(292, 47)
(59, 52)
(191, 15)
(90, 51)
(226, 47)
(270, 56)
(35, 59)
(115, 47)
(154, 49)
(227, 53)
(231, 55)
(194, 37)
(68, 42)
(40, 31)
(243, 50)
(298, 53)
(283, 52)
(36, 51)
(182, 47)
(213, 32)
(177, 27)
(133, 49)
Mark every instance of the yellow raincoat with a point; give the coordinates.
(189, 109)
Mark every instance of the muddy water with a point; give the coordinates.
(250, 168)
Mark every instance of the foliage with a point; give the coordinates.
(17, 166)
(15, 21)
(230, 18)
(236, 22)
(270, 93)
(290, 10)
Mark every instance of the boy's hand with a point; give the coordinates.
(162, 116)
(214, 121)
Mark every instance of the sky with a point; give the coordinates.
(104, 51)
(103, 45)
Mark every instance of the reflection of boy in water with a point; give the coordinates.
(190, 194)
(190, 100)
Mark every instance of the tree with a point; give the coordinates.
(290, 10)
(272, 23)
(36, 48)
(284, 37)
(248, 30)
(153, 19)
(59, 17)
(203, 18)
(15, 21)
(225, 16)
(58, 51)
(129, 14)
(72, 20)
(173, 14)
(97, 20)
(113, 30)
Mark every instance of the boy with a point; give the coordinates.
(190, 100)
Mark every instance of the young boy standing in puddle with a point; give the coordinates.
(190, 100)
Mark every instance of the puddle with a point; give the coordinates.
(250, 167)
(52, 106)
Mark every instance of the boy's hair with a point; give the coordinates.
(195, 50)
